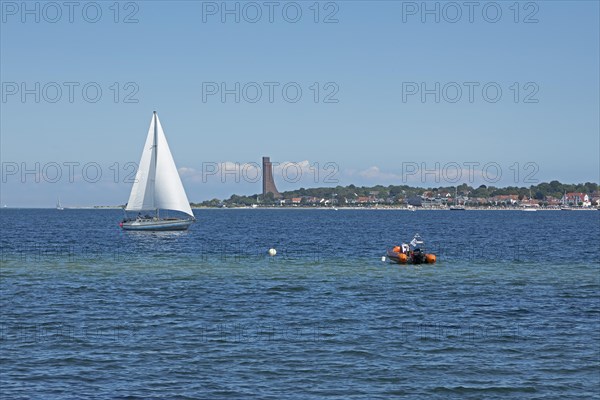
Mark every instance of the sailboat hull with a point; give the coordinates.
(170, 224)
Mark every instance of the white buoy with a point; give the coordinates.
(272, 252)
(383, 259)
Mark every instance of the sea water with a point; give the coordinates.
(510, 310)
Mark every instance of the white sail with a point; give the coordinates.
(142, 192)
(169, 193)
(157, 184)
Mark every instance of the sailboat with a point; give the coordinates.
(529, 207)
(157, 186)
(565, 206)
(58, 205)
(456, 206)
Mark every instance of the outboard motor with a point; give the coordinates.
(418, 257)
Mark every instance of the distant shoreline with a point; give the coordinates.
(419, 209)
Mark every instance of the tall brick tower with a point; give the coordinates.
(268, 182)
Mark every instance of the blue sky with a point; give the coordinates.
(371, 61)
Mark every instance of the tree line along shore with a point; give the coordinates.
(552, 195)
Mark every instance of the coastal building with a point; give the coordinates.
(505, 198)
(432, 202)
(553, 201)
(416, 201)
(576, 199)
(478, 200)
(595, 198)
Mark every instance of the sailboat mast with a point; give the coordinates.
(155, 156)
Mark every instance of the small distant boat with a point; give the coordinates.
(456, 206)
(530, 207)
(58, 205)
(157, 186)
(332, 202)
(565, 205)
(411, 253)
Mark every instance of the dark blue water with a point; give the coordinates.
(511, 309)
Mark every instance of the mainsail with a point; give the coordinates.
(157, 183)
